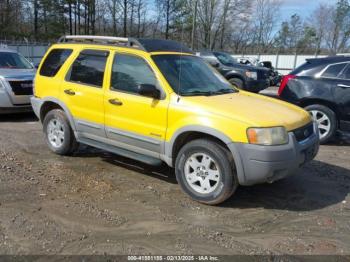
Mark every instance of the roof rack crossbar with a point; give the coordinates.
(121, 41)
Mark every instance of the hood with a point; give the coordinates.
(17, 73)
(254, 110)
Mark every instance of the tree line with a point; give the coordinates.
(238, 26)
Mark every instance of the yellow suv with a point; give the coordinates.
(154, 101)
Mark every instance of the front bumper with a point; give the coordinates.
(7, 105)
(10, 102)
(259, 164)
(257, 85)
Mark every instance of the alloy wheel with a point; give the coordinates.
(202, 173)
(55, 132)
(323, 122)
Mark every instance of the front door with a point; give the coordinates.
(83, 92)
(134, 122)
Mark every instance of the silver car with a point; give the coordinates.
(16, 82)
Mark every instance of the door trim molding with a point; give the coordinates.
(133, 136)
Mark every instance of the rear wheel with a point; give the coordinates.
(326, 121)
(58, 132)
(236, 82)
(205, 171)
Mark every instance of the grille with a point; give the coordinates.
(262, 74)
(304, 132)
(21, 88)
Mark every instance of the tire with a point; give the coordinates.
(58, 133)
(326, 120)
(236, 82)
(220, 167)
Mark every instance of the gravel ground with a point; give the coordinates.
(99, 203)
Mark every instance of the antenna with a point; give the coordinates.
(180, 71)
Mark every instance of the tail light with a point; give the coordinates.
(284, 82)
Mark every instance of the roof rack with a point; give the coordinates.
(148, 45)
(111, 40)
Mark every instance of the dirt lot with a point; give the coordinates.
(97, 203)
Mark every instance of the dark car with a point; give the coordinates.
(275, 77)
(321, 86)
(245, 77)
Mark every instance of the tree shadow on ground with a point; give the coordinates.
(18, 117)
(315, 186)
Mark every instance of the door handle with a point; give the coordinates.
(69, 92)
(115, 102)
(344, 86)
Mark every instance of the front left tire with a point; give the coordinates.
(205, 171)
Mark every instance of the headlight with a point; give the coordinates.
(267, 136)
(253, 75)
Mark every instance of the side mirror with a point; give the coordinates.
(149, 90)
(37, 65)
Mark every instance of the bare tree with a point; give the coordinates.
(265, 20)
(338, 28)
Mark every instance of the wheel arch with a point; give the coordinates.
(187, 134)
(313, 101)
(49, 104)
(236, 75)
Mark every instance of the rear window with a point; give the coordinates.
(334, 70)
(54, 61)
(302, 68)
(89, 68)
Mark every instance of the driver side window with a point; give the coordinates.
(128, 72)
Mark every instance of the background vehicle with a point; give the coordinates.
(245, 77)
(322, 86)
(154, 101)
(275, 77)
(16, 82)
(251, 61)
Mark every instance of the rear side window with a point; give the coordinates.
(333, 70)
(89, 68)
(54, 61)
(346, 73)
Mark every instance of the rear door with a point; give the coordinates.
(82, 91)
(342, 93)
(330, 75)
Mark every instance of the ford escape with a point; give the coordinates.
(155, 101)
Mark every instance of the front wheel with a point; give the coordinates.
(326, 121)
(236, 82)
(205, 171)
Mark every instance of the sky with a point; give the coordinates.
(301, 7)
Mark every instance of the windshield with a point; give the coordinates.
(13, 61)
(190, 75)
(225, 59)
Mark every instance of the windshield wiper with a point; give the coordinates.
(197, 93)
(225, 91)
(209, 93)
